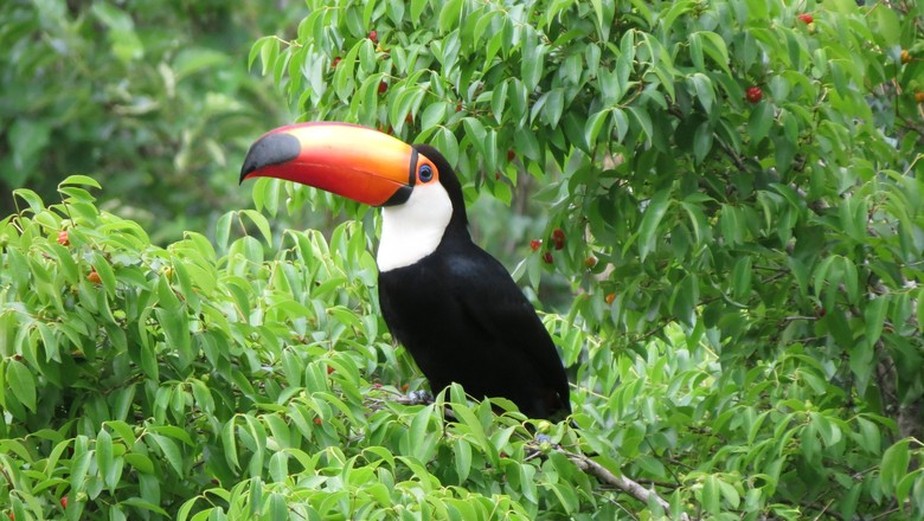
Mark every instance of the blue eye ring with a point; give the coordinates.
(425, 173)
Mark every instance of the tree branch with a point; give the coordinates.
(629, 486)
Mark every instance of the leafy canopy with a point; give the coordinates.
(745, 335)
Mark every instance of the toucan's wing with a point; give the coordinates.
(488, 295)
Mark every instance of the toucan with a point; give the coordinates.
(450, 303)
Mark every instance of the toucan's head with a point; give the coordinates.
(420, 192)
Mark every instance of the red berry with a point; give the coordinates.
(558, 237)
(535, 244)
(754, 94)
(317, 421)
(63, 240)
(63, 501)
(511, 155)
(330, 370)
(383, 86)
(609, 298)
(459, 107)
(547, 257)
(334, 62)
(94, 277)
(374, 36)
(376, 385)
(807, 18)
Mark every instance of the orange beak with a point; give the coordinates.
(362, 164)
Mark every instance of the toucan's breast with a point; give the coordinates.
(413, 230)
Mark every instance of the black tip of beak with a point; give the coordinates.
(270, 150)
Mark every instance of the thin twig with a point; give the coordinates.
(629, 486)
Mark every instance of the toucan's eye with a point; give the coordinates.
(425, 173)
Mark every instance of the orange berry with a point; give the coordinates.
(919, 96)
(590, 262)
(63, 501)
(63, 239)
(905, 56)
(94, 277)
(609, 298)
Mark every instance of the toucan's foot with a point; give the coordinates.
(416, 398)
(419, 398)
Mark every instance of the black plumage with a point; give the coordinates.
(464, 320)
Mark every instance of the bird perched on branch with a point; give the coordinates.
(450, 303)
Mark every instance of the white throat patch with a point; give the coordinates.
(413, 230)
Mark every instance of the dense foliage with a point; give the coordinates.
(153, 98)
(734, 188)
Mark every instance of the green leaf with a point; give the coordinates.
(644, 120)
(869, 436)
(80, 466)
(106, 275)
(702, 86)
(887, 25)
(445, 141)
(702, 141)
(104, 459)
(229, 443)
(262, 224)
(531, 66)
(463, 459)
(760, 121)
(894, 466)
(711, 494)
(648, 236)
(450, 15)
(31, 198)
(170, 451)
(140, 462)
(21, 383)
(499, 101)
(874, 315)
(79, 180)
(920, 306)
(741, 278)
(730, 493)
(433, 115)
(594, 126)
(714, 46)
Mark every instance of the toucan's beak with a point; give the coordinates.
(356, 162)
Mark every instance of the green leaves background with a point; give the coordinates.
(747, 343)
